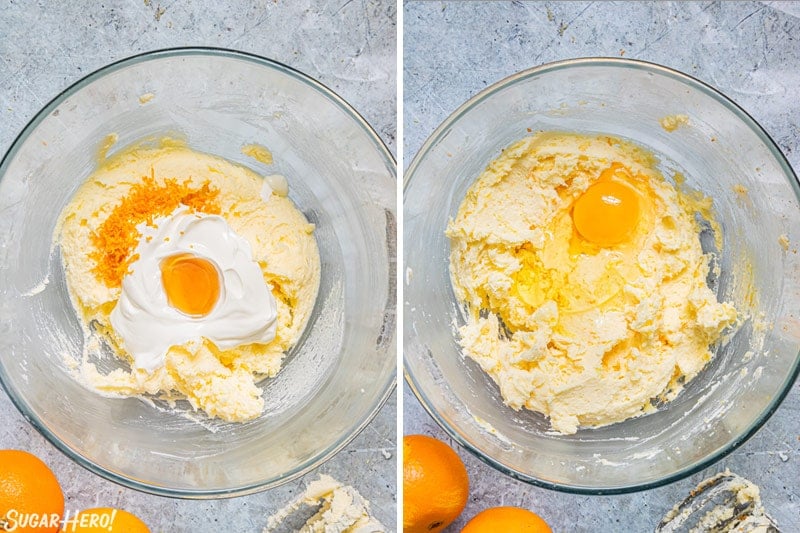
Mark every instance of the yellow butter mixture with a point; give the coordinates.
(196, 273)
(584, 280)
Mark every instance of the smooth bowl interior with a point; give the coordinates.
(340, 175)
(720, 149)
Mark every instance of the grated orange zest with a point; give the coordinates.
(117, 236)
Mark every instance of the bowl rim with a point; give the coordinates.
(689, 81)
(388, 387)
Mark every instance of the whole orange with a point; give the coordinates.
(507, 520)
(435, 484)
(31, 500)
(104, 520)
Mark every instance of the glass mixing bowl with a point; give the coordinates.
(340, 175)
(722, 147)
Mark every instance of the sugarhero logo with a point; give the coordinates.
(15, 520)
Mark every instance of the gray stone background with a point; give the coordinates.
(748, 50)
(348, 45)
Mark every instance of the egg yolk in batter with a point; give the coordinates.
(191, 284)
(608, 211)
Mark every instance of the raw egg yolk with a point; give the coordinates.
(607, 212)
(191, 283)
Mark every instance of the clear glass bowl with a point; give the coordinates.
(721, 148)
(340, 175)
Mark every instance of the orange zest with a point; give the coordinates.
(117, 236)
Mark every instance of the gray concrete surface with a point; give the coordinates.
(748, 50)
(348, 45)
